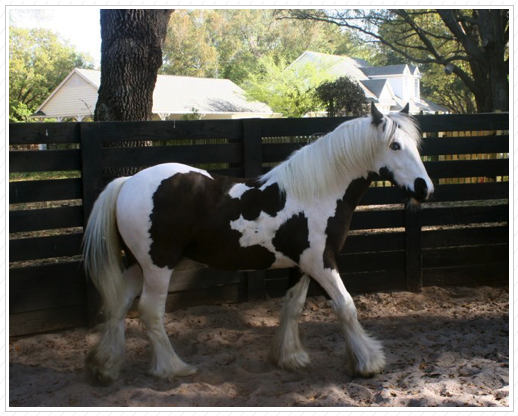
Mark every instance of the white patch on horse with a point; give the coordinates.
(238, 190)
(262, 230)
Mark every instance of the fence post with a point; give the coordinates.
(414, 263)
(252, 167)
(92, 181)
(252, 150)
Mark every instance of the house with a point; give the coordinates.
(389, 87)
(173, 98)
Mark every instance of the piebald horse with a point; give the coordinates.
(296, 215)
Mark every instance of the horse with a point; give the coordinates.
(297, 215)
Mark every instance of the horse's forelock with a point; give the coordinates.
(407, 124)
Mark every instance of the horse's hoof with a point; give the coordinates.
(188, 370)
(294, 361)
(185, 371)
(97, 372)
(372, 368)
(99, 377)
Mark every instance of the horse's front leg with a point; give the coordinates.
(365, 354)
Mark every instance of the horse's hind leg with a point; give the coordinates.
(165, 363)
(105, 360)
(287, 351)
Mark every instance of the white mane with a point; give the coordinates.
(345, 154)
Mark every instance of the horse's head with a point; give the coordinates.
(398, 159)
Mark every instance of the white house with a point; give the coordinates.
(389, 87)
(173, 97)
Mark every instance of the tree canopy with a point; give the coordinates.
(287, 91)
(471, 44)
(253, 48)
(229, 43)
(38, 61)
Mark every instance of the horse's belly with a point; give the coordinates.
(232, 256)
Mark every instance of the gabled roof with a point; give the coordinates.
(399, 69)
(427, 105)
(84, 73)
(180, 95)
(413, 69)
(375, 85)
(381, 90)
(333, 64)
(90, 75)
(385, 70)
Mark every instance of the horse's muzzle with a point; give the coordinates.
(421, 191)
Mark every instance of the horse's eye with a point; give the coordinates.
(395, 146)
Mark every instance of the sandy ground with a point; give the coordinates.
(444, 347)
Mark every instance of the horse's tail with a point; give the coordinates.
(102, 251)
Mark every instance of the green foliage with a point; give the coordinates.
(342, 97)
(187, 49)
(38, 61)
(286, 91)
(447, 90)
(470, 44)
(18, 112)
(193, 115)
(229, 43)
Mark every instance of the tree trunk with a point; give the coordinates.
(131, 54)
(485, 41)
(498, 82)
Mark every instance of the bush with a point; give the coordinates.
(342, 97)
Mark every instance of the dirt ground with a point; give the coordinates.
(444, 347)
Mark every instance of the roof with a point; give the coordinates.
(380, 84)
(374, 85)
(399, 69)
(427, 105)
(94, 77)
(333, 64)
(384, 70)
(180, 95)
(344, 65)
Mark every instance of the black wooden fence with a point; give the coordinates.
(462, 238)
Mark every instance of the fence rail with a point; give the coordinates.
(461, 238)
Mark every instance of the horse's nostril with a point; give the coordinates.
(420, 188)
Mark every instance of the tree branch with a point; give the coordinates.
(342, 20)
(452, 24)
(395, 35)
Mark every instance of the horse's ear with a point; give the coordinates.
(405, 109)
(377, 116)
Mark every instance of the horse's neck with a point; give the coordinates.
(338, 225)
(355, 191)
